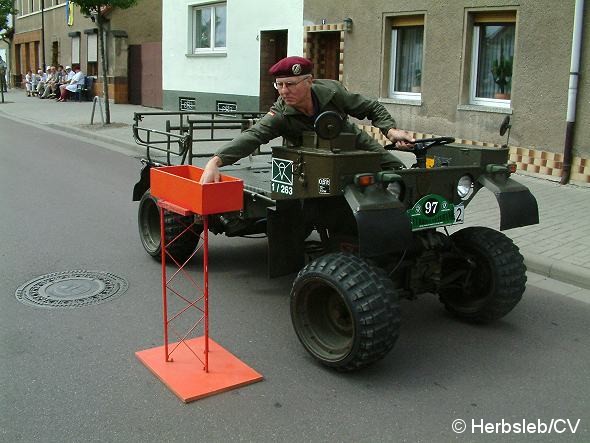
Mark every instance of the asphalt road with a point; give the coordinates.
(71, 375)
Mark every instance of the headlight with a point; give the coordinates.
(465, 187)
(395, 188)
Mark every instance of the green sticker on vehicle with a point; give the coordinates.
(431, 211)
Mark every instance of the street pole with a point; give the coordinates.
(2, 80)
(43, 33)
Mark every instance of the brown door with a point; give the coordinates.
(273, 47)
(329, 55)
(323, 48)
(145, 74)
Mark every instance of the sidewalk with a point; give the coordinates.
(558, 247)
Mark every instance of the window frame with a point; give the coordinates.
(499, 18)
(212, 49)
(92, 52)
(75, 57)
(397, 23)
(92, 47)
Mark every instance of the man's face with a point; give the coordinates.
(294, 90)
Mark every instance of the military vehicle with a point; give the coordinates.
(361, 238)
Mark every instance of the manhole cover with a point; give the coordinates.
(71, 289)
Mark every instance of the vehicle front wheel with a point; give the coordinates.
(491, 275)
(148, 220)
(345, 312)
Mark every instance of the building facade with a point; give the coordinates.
(459, 67)
(216, 55)
(59, 34)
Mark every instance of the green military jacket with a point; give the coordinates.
(284, 120)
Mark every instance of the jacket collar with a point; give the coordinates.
(322, 92)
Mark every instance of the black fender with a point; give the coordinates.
(144, 181)
(518, 207)
(382, 222)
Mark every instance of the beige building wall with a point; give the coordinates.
(142, 22)
(540, 74)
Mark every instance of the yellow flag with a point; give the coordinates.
(70, 12)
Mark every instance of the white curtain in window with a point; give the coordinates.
(494, 60)
(202, 28)
(220, 18)
(408, 58)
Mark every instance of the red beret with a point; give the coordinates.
(291, 66)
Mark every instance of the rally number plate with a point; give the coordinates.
(432, 211)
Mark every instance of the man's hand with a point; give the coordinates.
(211, 172)
(402, 139)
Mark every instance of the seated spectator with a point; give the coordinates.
(60, 74)
(29, 79)
(34, 82)
(51, 83)
(68, 74)
(78, 79)
(65, 75)
(42, 81)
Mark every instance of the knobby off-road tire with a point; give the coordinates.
(494, 282)
(345, 312)
(148, 219)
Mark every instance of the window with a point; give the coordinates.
(407, 41)
(209, 27)
(492, 58)
(92, 52)
(75, 49)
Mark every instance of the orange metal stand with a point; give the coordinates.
(176, 364)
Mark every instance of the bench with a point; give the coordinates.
(84, 91)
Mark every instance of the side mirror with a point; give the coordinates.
(505, 126)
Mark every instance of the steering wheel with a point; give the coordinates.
(422, 145)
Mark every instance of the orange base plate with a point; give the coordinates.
(185, 375)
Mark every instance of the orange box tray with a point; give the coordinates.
(180, 186)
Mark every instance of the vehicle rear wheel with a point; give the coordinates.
(148, 219)
(344, 311)
(492, 275)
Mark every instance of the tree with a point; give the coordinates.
(97, 9)
(6, 30)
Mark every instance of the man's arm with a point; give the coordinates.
(362, 107)
(267, 128)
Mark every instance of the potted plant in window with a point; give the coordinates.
(417, 85)
(502, 72)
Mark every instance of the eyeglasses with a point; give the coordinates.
(289, 85)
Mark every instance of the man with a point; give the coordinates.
(301, 100)
(3, 67)
(51, 83)
(42, 82)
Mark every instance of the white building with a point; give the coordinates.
(216, 55)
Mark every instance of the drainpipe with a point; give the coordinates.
(573, 91)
